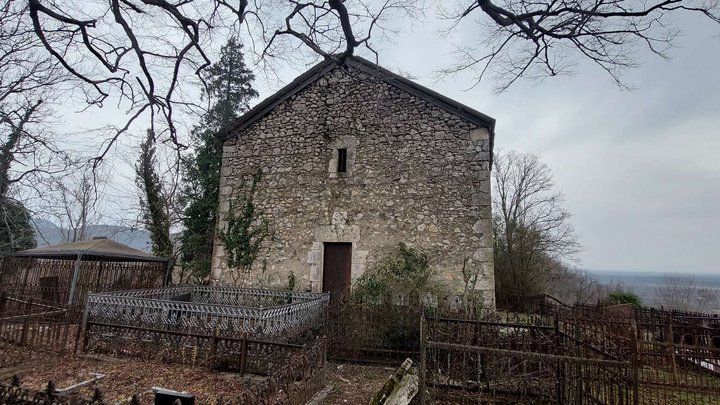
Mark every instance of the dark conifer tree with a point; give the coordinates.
(229, 89)
(155, 207)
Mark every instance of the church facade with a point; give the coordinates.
(355, 159)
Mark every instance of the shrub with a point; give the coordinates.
(403, 270)
(623, 297)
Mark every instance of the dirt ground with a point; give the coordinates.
(355, 384)
(352, 384)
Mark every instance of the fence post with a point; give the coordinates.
(82, 331)
(243, 354)
(3, 300)
(634, 360)
(3, 306)
(323, 347)
(559, 365)
(26, 322)
(423, 361)
(671, 340)
(213, 351)
(86, 330)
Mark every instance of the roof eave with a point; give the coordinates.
(72, 255)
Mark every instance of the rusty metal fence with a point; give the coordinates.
(380, 333)
(675, 356)
(583, 355)
(516, 359)
(241, 354)
(66, 282)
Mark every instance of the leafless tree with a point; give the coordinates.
(29, 83)
(575, 286)
(532, 229)
(74, 203)
(547, 38)
(29, 80)
(684, 294)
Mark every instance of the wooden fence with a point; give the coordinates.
(38, 325)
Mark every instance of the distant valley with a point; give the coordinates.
(647, 284)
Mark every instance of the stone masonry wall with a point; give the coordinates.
(416, 174)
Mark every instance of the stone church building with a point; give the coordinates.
(356, 159)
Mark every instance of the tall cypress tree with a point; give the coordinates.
(229, 88)
(156, 215)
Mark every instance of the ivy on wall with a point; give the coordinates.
(246, 229)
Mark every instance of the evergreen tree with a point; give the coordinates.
(156, 216)
(16, 233)
(229, 88)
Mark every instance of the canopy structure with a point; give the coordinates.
(64, 274)
(100, 247)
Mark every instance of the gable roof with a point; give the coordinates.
(95, 247)
(301, 82)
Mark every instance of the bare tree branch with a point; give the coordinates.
(540, 39)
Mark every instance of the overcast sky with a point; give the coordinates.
(639, 169)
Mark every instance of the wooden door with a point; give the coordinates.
(337, 260)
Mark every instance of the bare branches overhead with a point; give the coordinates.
(139, 54)
(147, 56)
(546, 38)
(130, 52)
(27, 77)
(333, 31)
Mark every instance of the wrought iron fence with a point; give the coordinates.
(674, 355)
(212, 311)
(374, 332)
(294, 383)
(384, 329)
(240, 354)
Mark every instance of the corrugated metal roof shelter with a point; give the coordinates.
(101, 247)
(64, 274)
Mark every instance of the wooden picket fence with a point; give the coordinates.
(39, 325)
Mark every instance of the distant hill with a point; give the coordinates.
(47, 233)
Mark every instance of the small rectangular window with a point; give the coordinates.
(342, 161)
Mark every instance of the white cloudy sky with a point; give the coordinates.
(639, 169)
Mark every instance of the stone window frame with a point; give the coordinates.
(349, 143)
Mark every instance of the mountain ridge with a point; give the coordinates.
(48, 233)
